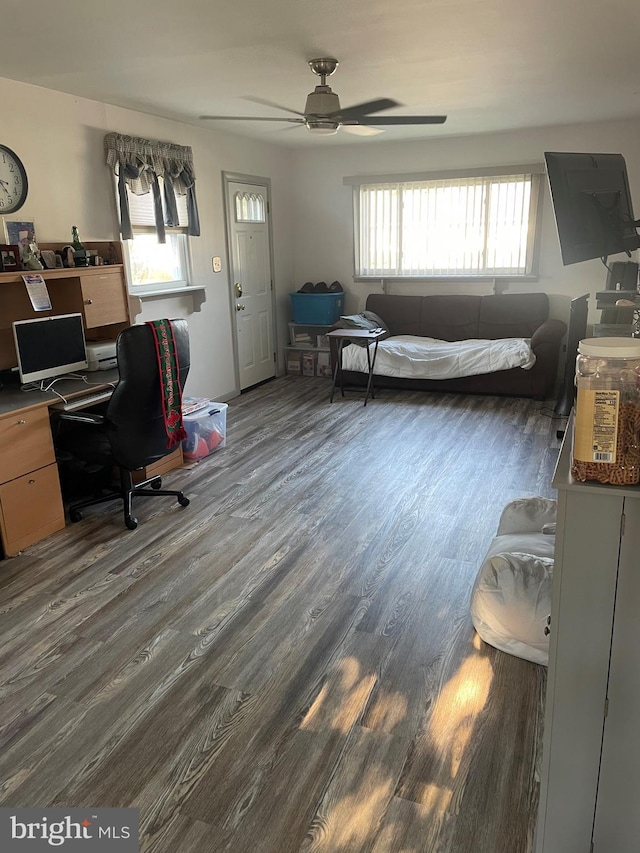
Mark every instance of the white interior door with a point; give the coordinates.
(252, 296)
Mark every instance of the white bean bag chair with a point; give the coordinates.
(511, 597)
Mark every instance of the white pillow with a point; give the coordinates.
(527, 515)
(511, 603)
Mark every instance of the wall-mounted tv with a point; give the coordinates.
(592, 205)
(49, 346)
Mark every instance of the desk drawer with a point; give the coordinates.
(30, 509)
(162, 466)
(25, 443)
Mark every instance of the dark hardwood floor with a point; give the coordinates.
(288, 665)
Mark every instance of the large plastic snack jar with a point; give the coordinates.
(606, 431)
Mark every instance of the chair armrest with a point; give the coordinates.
(550, 332)
(82, 417)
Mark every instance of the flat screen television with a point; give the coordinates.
(49, 346)
(592, 205)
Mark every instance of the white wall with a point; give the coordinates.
(323, 235)
(60, 140)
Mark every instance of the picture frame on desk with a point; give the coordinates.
(19, 231)
(48, 258)
(10, 258)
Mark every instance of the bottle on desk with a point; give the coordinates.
(80, 257)
(75, 239)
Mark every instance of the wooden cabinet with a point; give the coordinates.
(104, 299)
(591, 747)
(25, 443)
(31, 509)
(100, 296)
(30, 500)
(617, 818)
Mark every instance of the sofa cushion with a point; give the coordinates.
(512, 315)
(457, 317)
(451, 318)
(400, 313)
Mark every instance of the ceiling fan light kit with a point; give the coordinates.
(322, 127)
(323, 115)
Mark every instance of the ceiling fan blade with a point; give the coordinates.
(249, 118)
(265, 103)
(387, 120)
(366, 108)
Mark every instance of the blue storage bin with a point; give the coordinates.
(317, 308)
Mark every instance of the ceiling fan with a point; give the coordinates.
(324, 115)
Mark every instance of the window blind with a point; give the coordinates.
(471, 226)
(142, 212)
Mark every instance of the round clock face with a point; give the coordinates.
(13, 181)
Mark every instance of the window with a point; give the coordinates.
(250, 207)
(152, 264)
(481, 226)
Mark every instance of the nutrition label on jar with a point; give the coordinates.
(596, 426)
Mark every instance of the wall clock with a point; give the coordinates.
(13, 181)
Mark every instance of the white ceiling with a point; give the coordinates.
(488, 64)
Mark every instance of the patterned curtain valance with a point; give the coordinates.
(138, 164)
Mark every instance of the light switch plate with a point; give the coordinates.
(217, 264)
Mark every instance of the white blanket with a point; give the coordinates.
(411, 357)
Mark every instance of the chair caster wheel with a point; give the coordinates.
(182, 500)
(75, 515)
(131, 522)
(156, 484)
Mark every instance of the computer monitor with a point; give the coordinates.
(49, 346)
(592, 205)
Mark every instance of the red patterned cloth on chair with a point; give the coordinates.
(169, 371)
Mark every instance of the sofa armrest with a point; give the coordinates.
(550, 332)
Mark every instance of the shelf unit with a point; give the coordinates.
(616, 321)
(307, 353)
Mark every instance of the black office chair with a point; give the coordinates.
(131, 432)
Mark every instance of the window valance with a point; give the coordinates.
(138, 165)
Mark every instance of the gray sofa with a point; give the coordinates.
(455, 318)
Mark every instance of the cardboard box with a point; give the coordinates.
(292, 362)
(309, 360)
(323, 367)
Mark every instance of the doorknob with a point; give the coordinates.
(239, 307)
(238, 288)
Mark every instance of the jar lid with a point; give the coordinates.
(610, 347)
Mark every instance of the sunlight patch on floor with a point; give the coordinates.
(341, 700)
(460, 702)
